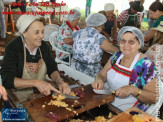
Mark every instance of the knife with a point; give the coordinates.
(105, 91)
(74, 86)
(71, 97)
(102, 91)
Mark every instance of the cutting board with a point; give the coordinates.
(126, 117)
(91, 100)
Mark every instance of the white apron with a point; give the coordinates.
(119, 76)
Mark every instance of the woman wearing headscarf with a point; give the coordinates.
(64, 38)
(89, 45)
(110, 27)
(156, 12)
(28, 59)
(131, 74)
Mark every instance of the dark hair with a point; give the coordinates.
(156, 6)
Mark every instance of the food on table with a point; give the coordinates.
(110, 115)
(143, 118)
(58, 103)
(76, 101)
(59, 97)
(100, 119)
(43, 106)
(76, 120)
(72, 94)
(53, 116)
(79, 92)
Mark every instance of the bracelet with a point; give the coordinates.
(139, 93)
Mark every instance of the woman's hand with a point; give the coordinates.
(98, 84)
(64, 88)
(125, 91)
(3, 92)
(44, 87)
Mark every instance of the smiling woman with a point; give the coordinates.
(28, 59)
(130, 73)
(156, 12)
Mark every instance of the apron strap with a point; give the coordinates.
(120, 57)
(133, 63)
(135, 60)
(25, 51)
(40, 53)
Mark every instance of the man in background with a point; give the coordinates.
(131, 17)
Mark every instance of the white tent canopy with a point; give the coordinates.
(97, 5)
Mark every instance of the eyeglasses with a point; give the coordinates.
(131, 42)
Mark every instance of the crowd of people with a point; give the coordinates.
(132, 74)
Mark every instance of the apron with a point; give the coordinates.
(132, 20)
(31, 71)
(108, 26)
(119, 76)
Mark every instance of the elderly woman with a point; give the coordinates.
(110, 27)
(156, 12)
(65, 40)
(130, 73)
(89, 45)
(28, 59)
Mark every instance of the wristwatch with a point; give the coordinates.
(139, 93)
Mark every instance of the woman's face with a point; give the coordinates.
(153, 14)
(129, 45)
(75, 22)
(100, 28)
(34, 35)
(109, 14)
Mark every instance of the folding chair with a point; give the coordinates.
(53, 42)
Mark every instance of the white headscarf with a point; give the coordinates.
(95, 20)
(109, 7)
(24, 21)
(73, 16)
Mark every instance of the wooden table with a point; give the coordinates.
(126, 117)
(11, 23)
(91, 100)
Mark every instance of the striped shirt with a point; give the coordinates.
(123, 17)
